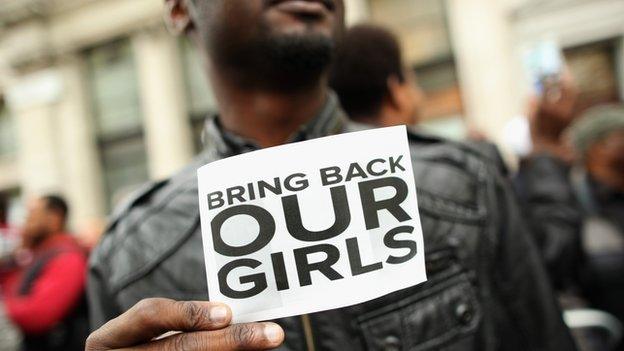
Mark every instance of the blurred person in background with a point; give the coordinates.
(5, 247)
(10, 337)
(373, 84)
(44, 294)
(9, 238)
(543, 183)
(375, 87)
(269, 62)
(572, 189)
(597, 180)
(4, 212)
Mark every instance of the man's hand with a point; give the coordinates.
(203, 326)
(552, 114)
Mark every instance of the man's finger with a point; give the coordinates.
(252, 336)
(153, 317)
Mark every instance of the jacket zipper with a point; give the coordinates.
(307, 330)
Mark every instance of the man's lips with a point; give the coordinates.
(304, 7)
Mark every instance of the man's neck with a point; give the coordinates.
(268, 118)
(384, 118)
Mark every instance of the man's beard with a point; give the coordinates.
(35, 237)
(286, 62)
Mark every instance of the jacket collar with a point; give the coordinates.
(330, 120)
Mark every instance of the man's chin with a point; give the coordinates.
(303, 45)
(285, 54)
(292, 61)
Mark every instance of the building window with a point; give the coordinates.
(439, 81)
(594, 68)
(200, 97)
(117, 111)
(7, 132)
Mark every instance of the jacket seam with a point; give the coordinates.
(133, 226)
(145, 269)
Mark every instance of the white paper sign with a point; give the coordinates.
(311, 226)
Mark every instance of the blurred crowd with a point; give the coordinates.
(570, 188)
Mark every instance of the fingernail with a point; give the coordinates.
(273, 333)
(218, 314)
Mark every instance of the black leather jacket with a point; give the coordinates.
(579, 227)
(487, 289)
(553, 213)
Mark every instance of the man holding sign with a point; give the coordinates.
(325, 234)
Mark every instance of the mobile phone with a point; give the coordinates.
(544, 63)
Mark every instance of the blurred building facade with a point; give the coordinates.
(96, 97)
